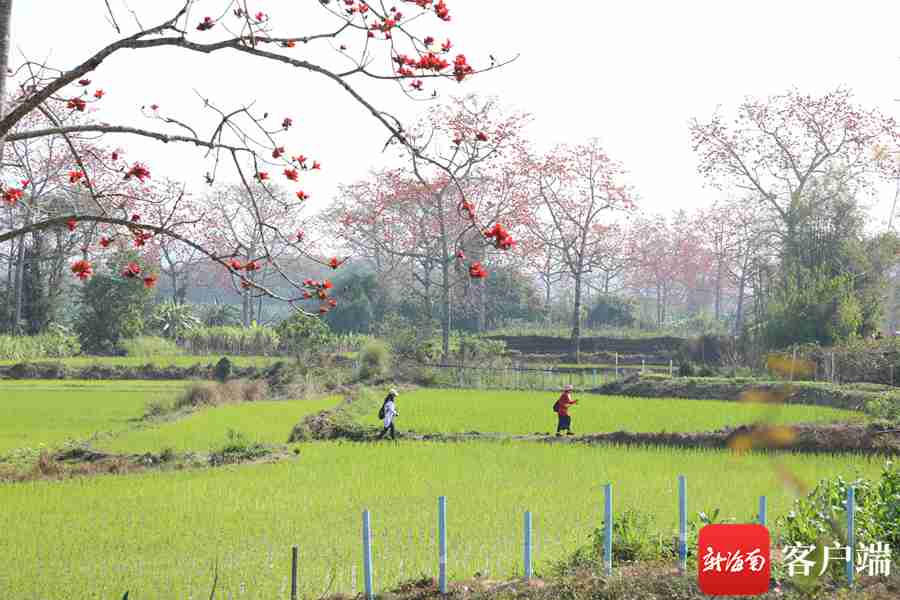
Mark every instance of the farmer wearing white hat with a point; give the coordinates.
(388, 412)
(562, 408)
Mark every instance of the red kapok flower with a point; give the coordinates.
(135, 218)
(206, 24)
(140, 238)
(287, 122)
(460, 255)
(132, 270)
(262, 176)
(138, 170)
(105, 242)
(300, 159)
(12, 195)
(76, 104)
(277, 152)
(332, 302)
(289, 44)
(84, 82)
(75, 176)
(245, 284)
(307, 295)
(25, 183)
(334, 263)
(440, 9)
(251, 266)
(316, 165)
(71, 223)
(476, 271)
(300, 236)
(115, 155)
(461, 68)
(154, 107)
(416, 85)
(235, 264)
(322, 309)
(260, 16)
(481, 136)
(82, 269)
(321, 294)
(301, 195)
(327, 284)
(292, 174)
(446, 45)
(99, 94)
(428, 41)
(150, 281)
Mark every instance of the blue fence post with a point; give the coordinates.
(762, 511)
(607, 532)
(367, 554)
(442, 527)
(682, 524)
(851, 535)
(528, 569)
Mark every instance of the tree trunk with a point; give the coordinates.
(739, 312)
(718, 303)
(576, 320)
(20, 272)
(445, 316)
(482, 307)
(5, 26)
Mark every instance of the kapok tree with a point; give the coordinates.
(776, 148)
(430, 212)
(576, 189)
(378, 43)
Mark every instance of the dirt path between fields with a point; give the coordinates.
(837, 437)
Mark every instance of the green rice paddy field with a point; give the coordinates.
(158, 534)
(442, 410)
(187, 360)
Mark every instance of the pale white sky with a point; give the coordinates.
(631, 73)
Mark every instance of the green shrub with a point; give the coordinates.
(821, 517)
(173, 320)
(686, 369)
(146, 345)
(238, 448)
(223, 369)
(706, 371)
(374, 360)
(300, 334)
(58, 342)
(111, 308)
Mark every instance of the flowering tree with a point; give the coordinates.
(379, 44)
(430, 214)
(576, 188)
(776, 149)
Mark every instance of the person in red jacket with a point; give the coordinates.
(565, 419)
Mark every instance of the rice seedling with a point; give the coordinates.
(160, 533)
(522, 412)
(49, 413)
(266, 422)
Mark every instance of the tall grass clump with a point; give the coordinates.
(148, 345)
(258, 340)
(374, 360)
(54, 344)
(205, 393)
